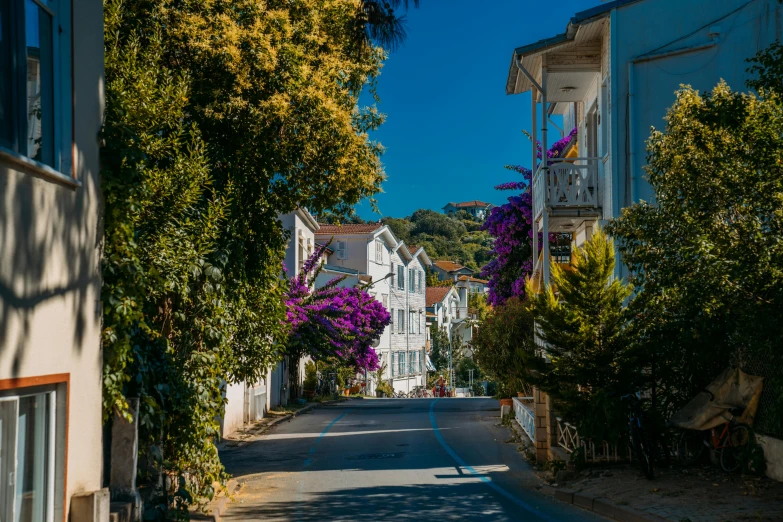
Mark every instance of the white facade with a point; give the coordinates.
(51, 360)
(397, 278)
(246, 402)
(613, 74)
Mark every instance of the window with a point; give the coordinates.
(421, 282)
(412, 322)
(392, 275)
(401, 277)
(385, 303)
(401, 359)
(400, 321)
(412, 363)
(392, 320)
(591, 131)
(394, 364)
(420, 314)
(35, 49)
(27, 457)
(378, 251)
(340, 249)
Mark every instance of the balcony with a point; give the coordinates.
(570, 189)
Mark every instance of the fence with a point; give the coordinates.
(568, 439)
(525, 417)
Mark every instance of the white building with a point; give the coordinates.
(612, 74)
(51, 362)
(475, 208)
(248, 402)
(395, 275)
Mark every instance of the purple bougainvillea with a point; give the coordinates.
(512, 227)
(331, 320)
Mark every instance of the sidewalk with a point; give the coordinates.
(695, 494)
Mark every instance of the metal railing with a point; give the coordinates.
(525, 417)
(566, 183)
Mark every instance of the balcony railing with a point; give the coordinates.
(566, 183)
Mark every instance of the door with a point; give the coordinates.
(9, 411)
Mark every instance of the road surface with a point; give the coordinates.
(390, 459)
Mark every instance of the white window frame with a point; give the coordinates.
(400, 321)
(62, 99)
(402, 363)
(401, 277)
(412, 323)
(379, 251)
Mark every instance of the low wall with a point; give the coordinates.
(773, 453)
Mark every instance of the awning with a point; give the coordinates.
(430, 366)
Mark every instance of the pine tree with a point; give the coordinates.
(582, 318)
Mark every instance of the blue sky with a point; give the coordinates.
(450, 127)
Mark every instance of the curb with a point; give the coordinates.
(283, 418)
(217, 508)
(601, 506)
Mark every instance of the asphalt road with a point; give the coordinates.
(392, 460)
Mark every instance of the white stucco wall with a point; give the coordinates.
(50, 272)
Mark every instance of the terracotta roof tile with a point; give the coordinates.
(468, 204)
(449, 266)
(473, 279)
(436, 294)
(339, 230)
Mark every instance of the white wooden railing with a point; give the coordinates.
(525, 417)
(567, 183)
(568, 439)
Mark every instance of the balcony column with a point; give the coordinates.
(545, 173)
(533, 161)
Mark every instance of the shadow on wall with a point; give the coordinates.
(49, 255)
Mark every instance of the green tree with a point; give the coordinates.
(503, 346)
(439, 352)
(708, 253)
(583, 320)
(220, 117)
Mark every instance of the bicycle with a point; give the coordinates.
(731, 444)
(643, 448)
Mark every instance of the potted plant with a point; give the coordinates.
(310, 380)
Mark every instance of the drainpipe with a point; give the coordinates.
(534, 111)
(631, 176)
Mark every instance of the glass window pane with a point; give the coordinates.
(40, 84)
(32, 450)
(6, 85)
(8, 415)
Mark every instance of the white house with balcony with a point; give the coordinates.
(612, 74)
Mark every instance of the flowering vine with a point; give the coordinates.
(333, 321)
(511, 225)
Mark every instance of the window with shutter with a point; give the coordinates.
(401, 319)
(340, 250)
(394, 364)
(401, 277)
(393, 274)
(412, 327)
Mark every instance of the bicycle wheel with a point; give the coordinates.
(690, 447)
(736, 450)
(643, 453)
